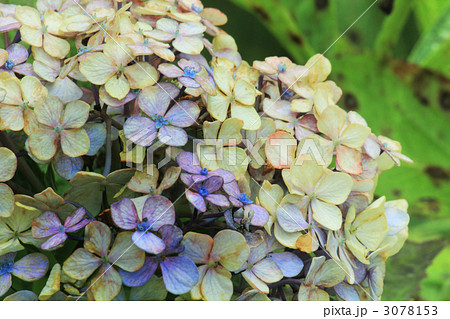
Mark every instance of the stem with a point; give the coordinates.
(19, 189)
(105, 117)
(281, 293)
(183, 88)
(259, 97)
(75, 237)
(22, 163)
(96, 95)
(108, 155)
(280, 88)
(77, 205)
(17, 37)
(6, 39)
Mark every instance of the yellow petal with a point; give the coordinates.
(331, 121)
(248, 114)
(117, 87)
(75, 142)
(354, 135)
(8, 164)
(28, 16)
(216, 285)
(224, 80)
(75, 114)
(43, 144)
(280, 149)
(140, 75)
(233, 159)
(33, 91)
(230, 249)
(97, 68)
(56, 47)
(244, 92)
(217, 106)
(230, 132)
(306, 174)
(334, 188)
(328, 215)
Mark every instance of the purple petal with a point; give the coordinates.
(47, 224)
(227, 176)
(66, 166)
(183, 114)
(188, 82)
(5, 283)
(148, 242)
(31, 267)
(180, 274)
(213, 184)
(218, 199)
(232, 189)
(153, 101)
(183, 63)
(170, 70)
(172, 236)
(260, 214)
(196, 200)
(187, 179)
(346, 292)
(189, 162)
(140, 277)
(159, 211)
(289, 263)
(236, 202)
(78, 226)
(124, 214)
(97, 137)
(6, 258)
(17, 53)
(140, 130)
(172, 135)
(72, 222)
(54, 241)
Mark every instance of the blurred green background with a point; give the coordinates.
(393, 67)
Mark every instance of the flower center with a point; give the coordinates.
(245, 199)
(204, 171)
(84, 50)
(58, 129)
(143, 226)
(190, 72)
(312, 196)
(9, 64)
(6, 268)
(160, 120)
(62, 229)
(196, 9)
(203, 191)
(105, 260)
(282, 67)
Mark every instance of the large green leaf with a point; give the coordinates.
(436, 285)
(404, 270)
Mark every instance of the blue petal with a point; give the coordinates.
(180, 274)
(140, 277)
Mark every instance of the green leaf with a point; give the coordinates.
(153, 290)
(404, 270)
(433, 48)
(436, 285)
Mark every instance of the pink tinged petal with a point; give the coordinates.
(172, 135)
(188, 44)
(189, 162)
(183, 63)
(267, 270)
(291, 219)
(43, 144)
(235, 202)
(124, 214)
(197, 247)
(167, 25)
(148, 242)
(159, 211)
(154, 100)
(12, 117)
(81, 264)
(260, 214)
(47, 224)
(196, 200)
(50, 112)
(141, 276)
(289, 263)
(17, 53)
(54, 241)
(24, 69)
(172, 236)
(183, 114)
(170, 70)
(349, 160)
(187, 179)
(227, 176)
(232, 188)
(31, 267)
(213, 184)
(188, 82)
(191, 28)
(218, 200)
(255, 282)
(75, 218)
(97, 238)
(106, 284)
(180, 274)
(140, 130)
(5, 282)
(67, 166)
(124, 254)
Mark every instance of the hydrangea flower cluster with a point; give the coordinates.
(262, 187)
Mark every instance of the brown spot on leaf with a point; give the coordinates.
(296, 38)
(262, 13)
(437, 173)
(444, 100)
(321, 4)
(386, 6)
(354, 37)
(350, 102)
(432, 204)
(396, 192)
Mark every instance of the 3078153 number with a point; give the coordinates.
(410, 310)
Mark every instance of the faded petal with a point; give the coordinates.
(31, 267)
(140, 130)
(179, 273)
